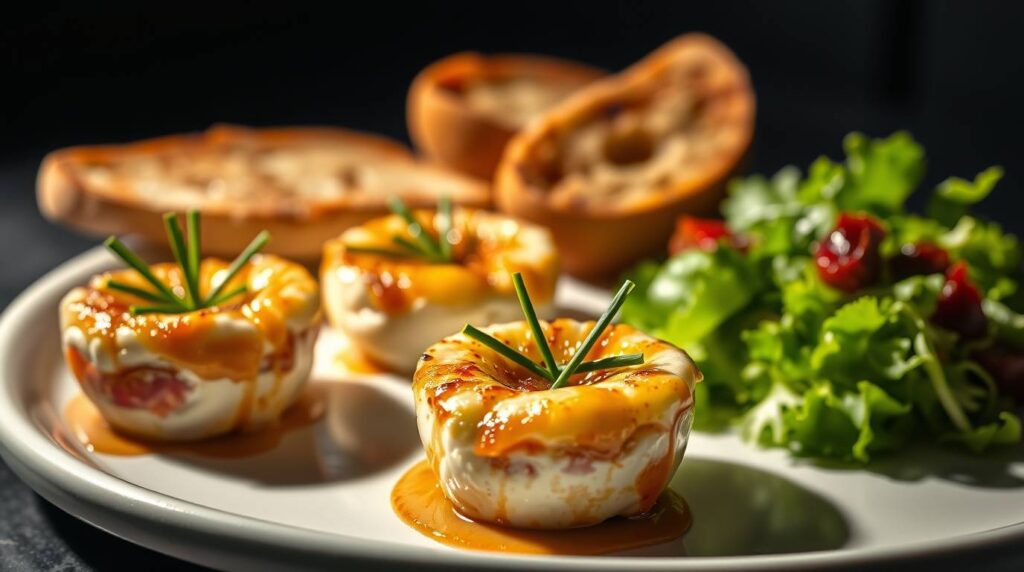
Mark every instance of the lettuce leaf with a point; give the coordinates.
(825, 373)
(994, 257)
(699, 290)
(954, 196)
(880, 173)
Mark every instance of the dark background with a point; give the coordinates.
(950, 72)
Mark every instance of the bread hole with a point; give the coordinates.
(348, 176)
(628, 147)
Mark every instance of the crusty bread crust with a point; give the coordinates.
(450, 131)
(601, 237)
(71, 193)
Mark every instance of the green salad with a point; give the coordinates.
(830, 321)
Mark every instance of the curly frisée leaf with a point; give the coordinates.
(881, 173)
(993, 256)
(849, 425)
(1006, 430)
(824, 372)
(865, 339)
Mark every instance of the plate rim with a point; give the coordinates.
(212, 536)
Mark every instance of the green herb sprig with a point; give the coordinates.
(437, 250)
(187, 253)
(557, 374)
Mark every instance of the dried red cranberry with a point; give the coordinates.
(1006, 365)
(847, 258)
(959, 307)
(917, 258)
(703, 233)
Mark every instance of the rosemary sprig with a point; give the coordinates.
(424, 244)
(187, 255)
(558, 375)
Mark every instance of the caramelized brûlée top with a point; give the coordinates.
(227, 341)
(598, 412)
(487, 249)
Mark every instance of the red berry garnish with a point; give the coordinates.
(847, 258)
(917, 258)
(959, 306)
(703, 233)
(1006, 365)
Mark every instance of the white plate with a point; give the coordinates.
(322, 496)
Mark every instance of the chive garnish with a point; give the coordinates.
(444, 213)
(558, 375)
(591, 339)
(531, 319)
(187, 255)
(424, 245)
(496, 345)
(612, 362)
(255, 246)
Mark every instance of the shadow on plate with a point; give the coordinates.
(363, 431)
(739, 510)
(1001, 468)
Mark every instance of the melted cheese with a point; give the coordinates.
(605, 445)
(197, 374)
(392, 308)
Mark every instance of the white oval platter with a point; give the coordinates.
(321, 497)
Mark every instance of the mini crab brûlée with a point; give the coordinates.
(175, 374)
(393, 302)
(508, 449)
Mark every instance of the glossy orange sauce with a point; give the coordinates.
(418, 501)
(86, 425)
(350, 359)
(193, 340)
(482, 265)
(595, 416)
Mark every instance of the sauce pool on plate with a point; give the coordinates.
(418, 501)
(87, 426)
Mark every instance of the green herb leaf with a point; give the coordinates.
(954, 196)
(832, 374)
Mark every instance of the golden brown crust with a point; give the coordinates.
(602, 236)
(299, 221)
(447, 128)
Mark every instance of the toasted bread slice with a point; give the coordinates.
(303, 184)
(611, 168)
(463, 109)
